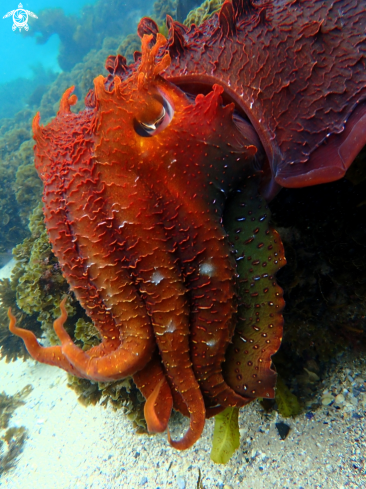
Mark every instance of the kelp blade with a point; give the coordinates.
(226, 437)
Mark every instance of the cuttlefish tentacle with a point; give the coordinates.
(195, 225)
(152, 383)
(88, 256)
(209, 277)
(51, 355)
(150, 257)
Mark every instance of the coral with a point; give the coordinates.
(200, 14)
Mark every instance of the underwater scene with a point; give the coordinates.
(183, 244)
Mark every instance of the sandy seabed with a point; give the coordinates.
(70, 447)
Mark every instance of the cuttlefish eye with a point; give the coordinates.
(154, 117)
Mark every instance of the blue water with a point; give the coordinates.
(25, 64)
(19, 54)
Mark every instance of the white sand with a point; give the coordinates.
(69, 446)
(5, 271)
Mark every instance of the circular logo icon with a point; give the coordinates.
(20, 19)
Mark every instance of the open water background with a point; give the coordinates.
(25, 63)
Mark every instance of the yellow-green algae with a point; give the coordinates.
(203, 12)
(12, 441)
(37, 277)
(226, 437)
(12, 347)
(287, 402)
(11, 446)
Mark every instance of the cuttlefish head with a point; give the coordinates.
(149, 124)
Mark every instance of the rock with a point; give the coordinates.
(283, 429)
(339, 399)
(181, 483)
(327, 398)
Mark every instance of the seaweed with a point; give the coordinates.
(287, 402)
(162, 8)
(122, 394)
(11, 446)
(8, 404)
(129, 45)
(203, 12)
(37, 277)
(20, 186)
(79, 34)
(27, 186)
(12, 347)
(11, 443)
(226, 436)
